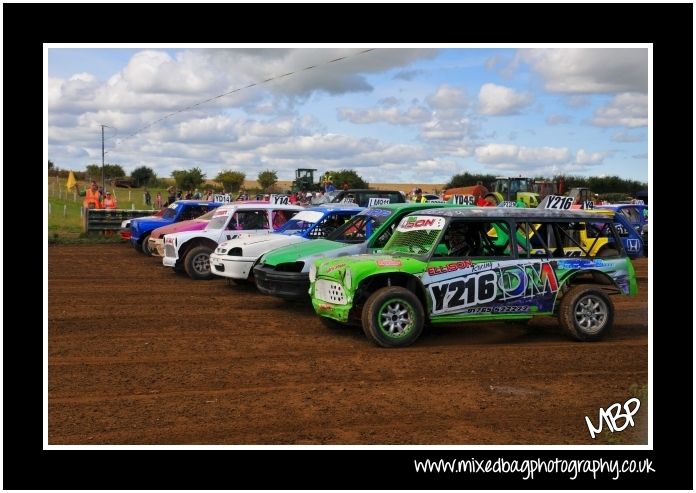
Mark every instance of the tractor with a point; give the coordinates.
(512, 190)
(304, 180)
(582, 198)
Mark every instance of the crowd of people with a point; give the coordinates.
(96, 198)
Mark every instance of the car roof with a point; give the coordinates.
(617, 207)
(515, 212)
(360, 190)
(403, 205)
(336, 207)
(260, 205)
(196, 202)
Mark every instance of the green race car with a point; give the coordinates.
(284, 272)
(475, 264)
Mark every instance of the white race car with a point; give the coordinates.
(190, 250)
(235, 259)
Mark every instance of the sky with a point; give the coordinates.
(394, 115)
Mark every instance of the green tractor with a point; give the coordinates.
(520, 190)
(304, 180)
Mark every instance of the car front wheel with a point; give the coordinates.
(197, 263)
(393, 317)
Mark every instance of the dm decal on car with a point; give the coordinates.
(507, 286)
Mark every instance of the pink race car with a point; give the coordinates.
(156, 240)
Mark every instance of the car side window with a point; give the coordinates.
(252, 219)
(474, 239)
(384, 237)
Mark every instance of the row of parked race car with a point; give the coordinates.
(276, 246)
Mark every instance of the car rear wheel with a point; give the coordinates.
(586, 312)
(393, 317)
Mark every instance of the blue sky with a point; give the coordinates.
(393, 115)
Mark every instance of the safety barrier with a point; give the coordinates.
(110, 219)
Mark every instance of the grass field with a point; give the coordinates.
(65, 220)
(64, 208)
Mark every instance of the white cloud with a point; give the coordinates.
(577, 101)
(627, 137)
(555, 119)
(501, 100)
(590, 70)
(448, 97)
(585, 158)
(335, 78)
(407, 74)
(155, 72)
(625, 110)
(546, 160)
(443, 129)
(414, 114)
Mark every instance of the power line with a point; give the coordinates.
(265, 81)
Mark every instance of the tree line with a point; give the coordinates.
(232, 180)
(597, 184)
(193, 178)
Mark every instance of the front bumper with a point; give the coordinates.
(229, 266)
(329, 310)
(286, 285)
(156, 246)
(169, 261)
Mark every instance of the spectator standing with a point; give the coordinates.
(158, 200)
(418, 196)
(171, 197)
(110, 201)
(148, 197)
(92, 196)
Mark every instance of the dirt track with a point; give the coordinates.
(157, 358)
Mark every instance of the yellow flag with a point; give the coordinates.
(71, 181)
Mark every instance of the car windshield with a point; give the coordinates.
(326, 198)
(301, 222)
(359, 228)
(170, 212)
(415, 235)
(219, 219)
(208, 215)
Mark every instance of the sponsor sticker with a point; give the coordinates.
(389, 263)
(421, 223)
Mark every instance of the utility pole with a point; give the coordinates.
(102, 127)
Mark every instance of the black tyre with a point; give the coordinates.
(586, 312)
(144, 247)
(393, 317)
(197, 263)
(608, 252)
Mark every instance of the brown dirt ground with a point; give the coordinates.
(157, 358)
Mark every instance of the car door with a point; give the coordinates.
(246, 222)
(472, 272)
